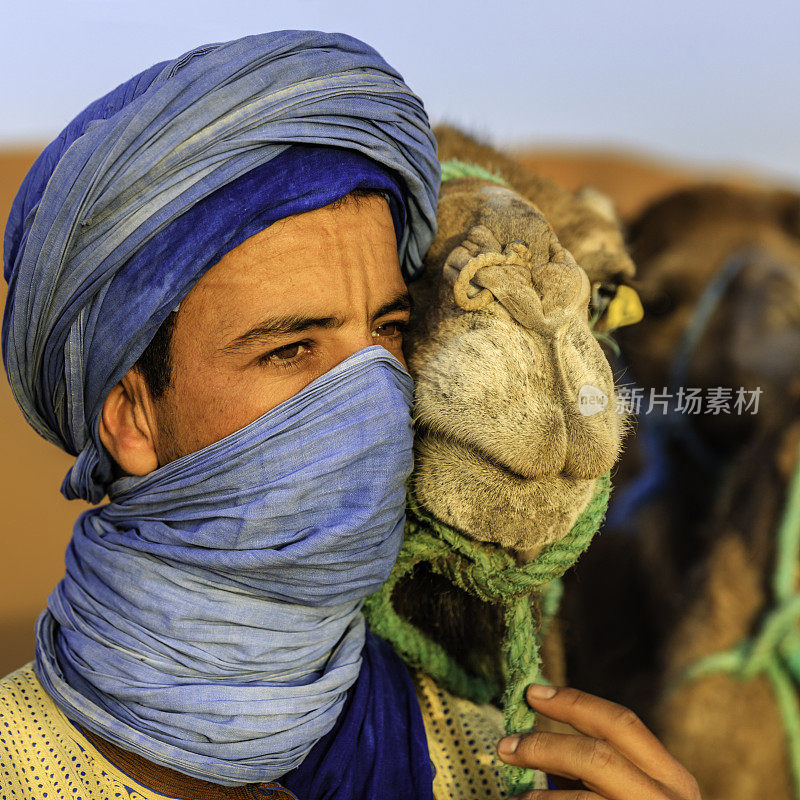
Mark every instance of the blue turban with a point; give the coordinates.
(119, 217)
(95, 251)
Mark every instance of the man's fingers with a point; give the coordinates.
(595, 762)
(612, 722)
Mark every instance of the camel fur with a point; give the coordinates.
(502, 451)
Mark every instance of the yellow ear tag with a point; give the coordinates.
(624, 309)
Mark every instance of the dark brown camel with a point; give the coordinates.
(684, 573)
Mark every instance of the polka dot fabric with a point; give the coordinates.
(44, 757)
(462, 741)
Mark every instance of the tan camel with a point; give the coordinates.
(679, 244)
(726, 730)
(504, 451)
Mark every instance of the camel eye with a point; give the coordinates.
(606, 291)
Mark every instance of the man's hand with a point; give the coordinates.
(616, 758)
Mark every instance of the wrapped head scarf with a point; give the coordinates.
(262, 581)
(136, 160)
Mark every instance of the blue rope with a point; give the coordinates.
(677, 424)
(656, 432)
(648, 483)
(704, 310)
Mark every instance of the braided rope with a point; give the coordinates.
(774, 651)
(488, 572)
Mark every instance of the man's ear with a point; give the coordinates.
(128, 426)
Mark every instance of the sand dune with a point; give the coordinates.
(631, 180)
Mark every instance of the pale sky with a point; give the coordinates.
(709, 81)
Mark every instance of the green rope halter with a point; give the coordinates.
(462, 169)
(488, 572)
(774, 651)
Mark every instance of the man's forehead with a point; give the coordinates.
(307, 264)
(283, 244)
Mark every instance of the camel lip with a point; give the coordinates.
(425, 430)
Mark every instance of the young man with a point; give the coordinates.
(206, 301)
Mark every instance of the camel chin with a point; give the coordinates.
(468, 491)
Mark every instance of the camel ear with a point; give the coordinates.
(600, 203)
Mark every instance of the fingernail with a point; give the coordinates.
(539, 692)
(507, 745)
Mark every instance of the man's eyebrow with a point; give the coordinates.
(295, 323)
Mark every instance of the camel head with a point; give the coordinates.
(515, 409)
(685, 242)
(585, 222)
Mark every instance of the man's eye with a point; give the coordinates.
(286, 356)
(390, 329)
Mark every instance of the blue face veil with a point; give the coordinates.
(210, 618)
